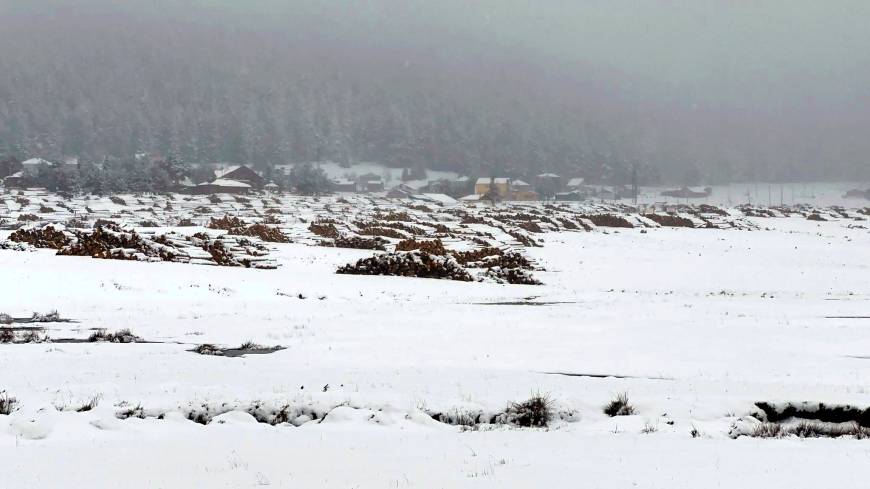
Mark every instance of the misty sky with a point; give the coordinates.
(796, 73)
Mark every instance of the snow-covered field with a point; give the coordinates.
(695, 325)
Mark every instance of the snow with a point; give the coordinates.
(224, 182)
(696, 325)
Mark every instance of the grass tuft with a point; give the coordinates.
(535, 412)
(8, 404)
(619, 406)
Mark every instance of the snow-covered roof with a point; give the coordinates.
(497, 180)
(548, 175)
(17, 174)
(576, 182)
(225, 182)
(35, 162)
(470, 198)
(271, 185)
(439, 198)
(221, 173)
(520, 183)
(463, 178)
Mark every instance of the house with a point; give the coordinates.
(402, 191)
(376, 185)
(31, 167)
(502, 185)
(221, 186)
(435, 198)
(241, 173)
(575, 184)
(521, 186)
(688, 193)
(344, 185)
(550, 178)
(571, 196)
(16, 180)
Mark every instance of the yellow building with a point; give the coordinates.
(503, 185)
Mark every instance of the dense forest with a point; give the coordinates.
(409, 84)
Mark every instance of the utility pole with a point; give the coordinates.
(634, 189)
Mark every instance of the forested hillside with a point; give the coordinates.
(408, 84)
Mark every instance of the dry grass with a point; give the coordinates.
(619, 406)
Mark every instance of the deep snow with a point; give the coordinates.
(705, 322)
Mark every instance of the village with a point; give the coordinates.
(223, 178)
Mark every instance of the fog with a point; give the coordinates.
(689, 91)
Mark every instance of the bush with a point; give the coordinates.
(208, 349)
(7, 335)
(619, 406)
(120, 336)
(811, 429)
(51, 317)
(536, 412)
(8, 404)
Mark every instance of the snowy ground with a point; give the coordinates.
(700, 324)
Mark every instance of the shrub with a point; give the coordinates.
(208, 349)
(90, 405)
(7, 335)
(535, 412)
(5, 318)
(8, 404)
(619, 406)
(50, 317)
(120, 336)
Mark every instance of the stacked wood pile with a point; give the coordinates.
(513, 276)
(409, 264)
(435, 247)
(358, 243)
(109, 241)
(237, 227)
(608, 220)
(44, 237)
(324, 230)
(670, 220)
